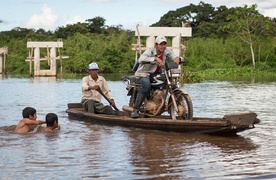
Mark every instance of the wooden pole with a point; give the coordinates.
(100, 91)
(138, 42)
(5, 64)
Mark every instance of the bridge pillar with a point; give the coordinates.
(34, 55)
(3, 59)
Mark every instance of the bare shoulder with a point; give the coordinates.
(22, 122)
(22, 126)
(49, 129)
(25, 119)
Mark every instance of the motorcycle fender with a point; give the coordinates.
(182, 90)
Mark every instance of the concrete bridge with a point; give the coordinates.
(34, 56)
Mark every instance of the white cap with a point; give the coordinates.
(160, 39)
(93, 65)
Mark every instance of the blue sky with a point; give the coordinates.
(50, 14)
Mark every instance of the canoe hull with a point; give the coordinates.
(229, 124)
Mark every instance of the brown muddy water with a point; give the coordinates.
(85, 150)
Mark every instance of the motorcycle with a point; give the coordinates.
(166, 96)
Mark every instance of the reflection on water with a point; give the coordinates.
(85, 150)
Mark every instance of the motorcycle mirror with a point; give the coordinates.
(181, 60)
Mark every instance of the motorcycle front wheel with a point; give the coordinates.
(184, 105)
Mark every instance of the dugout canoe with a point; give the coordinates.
(228, 124)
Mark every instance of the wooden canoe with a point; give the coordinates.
(229, 124)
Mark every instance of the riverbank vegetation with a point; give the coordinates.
(225, 42)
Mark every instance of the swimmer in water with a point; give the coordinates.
(51, 122)
(29, 122)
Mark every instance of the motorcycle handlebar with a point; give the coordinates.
(171, 65)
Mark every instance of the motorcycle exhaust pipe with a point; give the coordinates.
(127, 108)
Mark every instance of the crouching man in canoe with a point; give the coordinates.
(94, 87)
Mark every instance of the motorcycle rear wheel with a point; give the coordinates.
(182, 101)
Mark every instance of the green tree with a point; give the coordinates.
(218, 19)
(96, 24)
(248, 24)
(193, 16)
(70, 29)
(17, 33)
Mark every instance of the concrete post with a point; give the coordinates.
(53, 65)
(3, 56)
(150, 41)
(1, 64)
(36, 61)
(176, 45)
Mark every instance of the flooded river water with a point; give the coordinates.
(85, 150)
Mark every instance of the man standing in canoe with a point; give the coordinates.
(92, 87)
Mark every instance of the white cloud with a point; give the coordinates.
(46, 20)
(74, 20)
(270, 13)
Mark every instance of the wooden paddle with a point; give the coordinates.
(100, 91)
